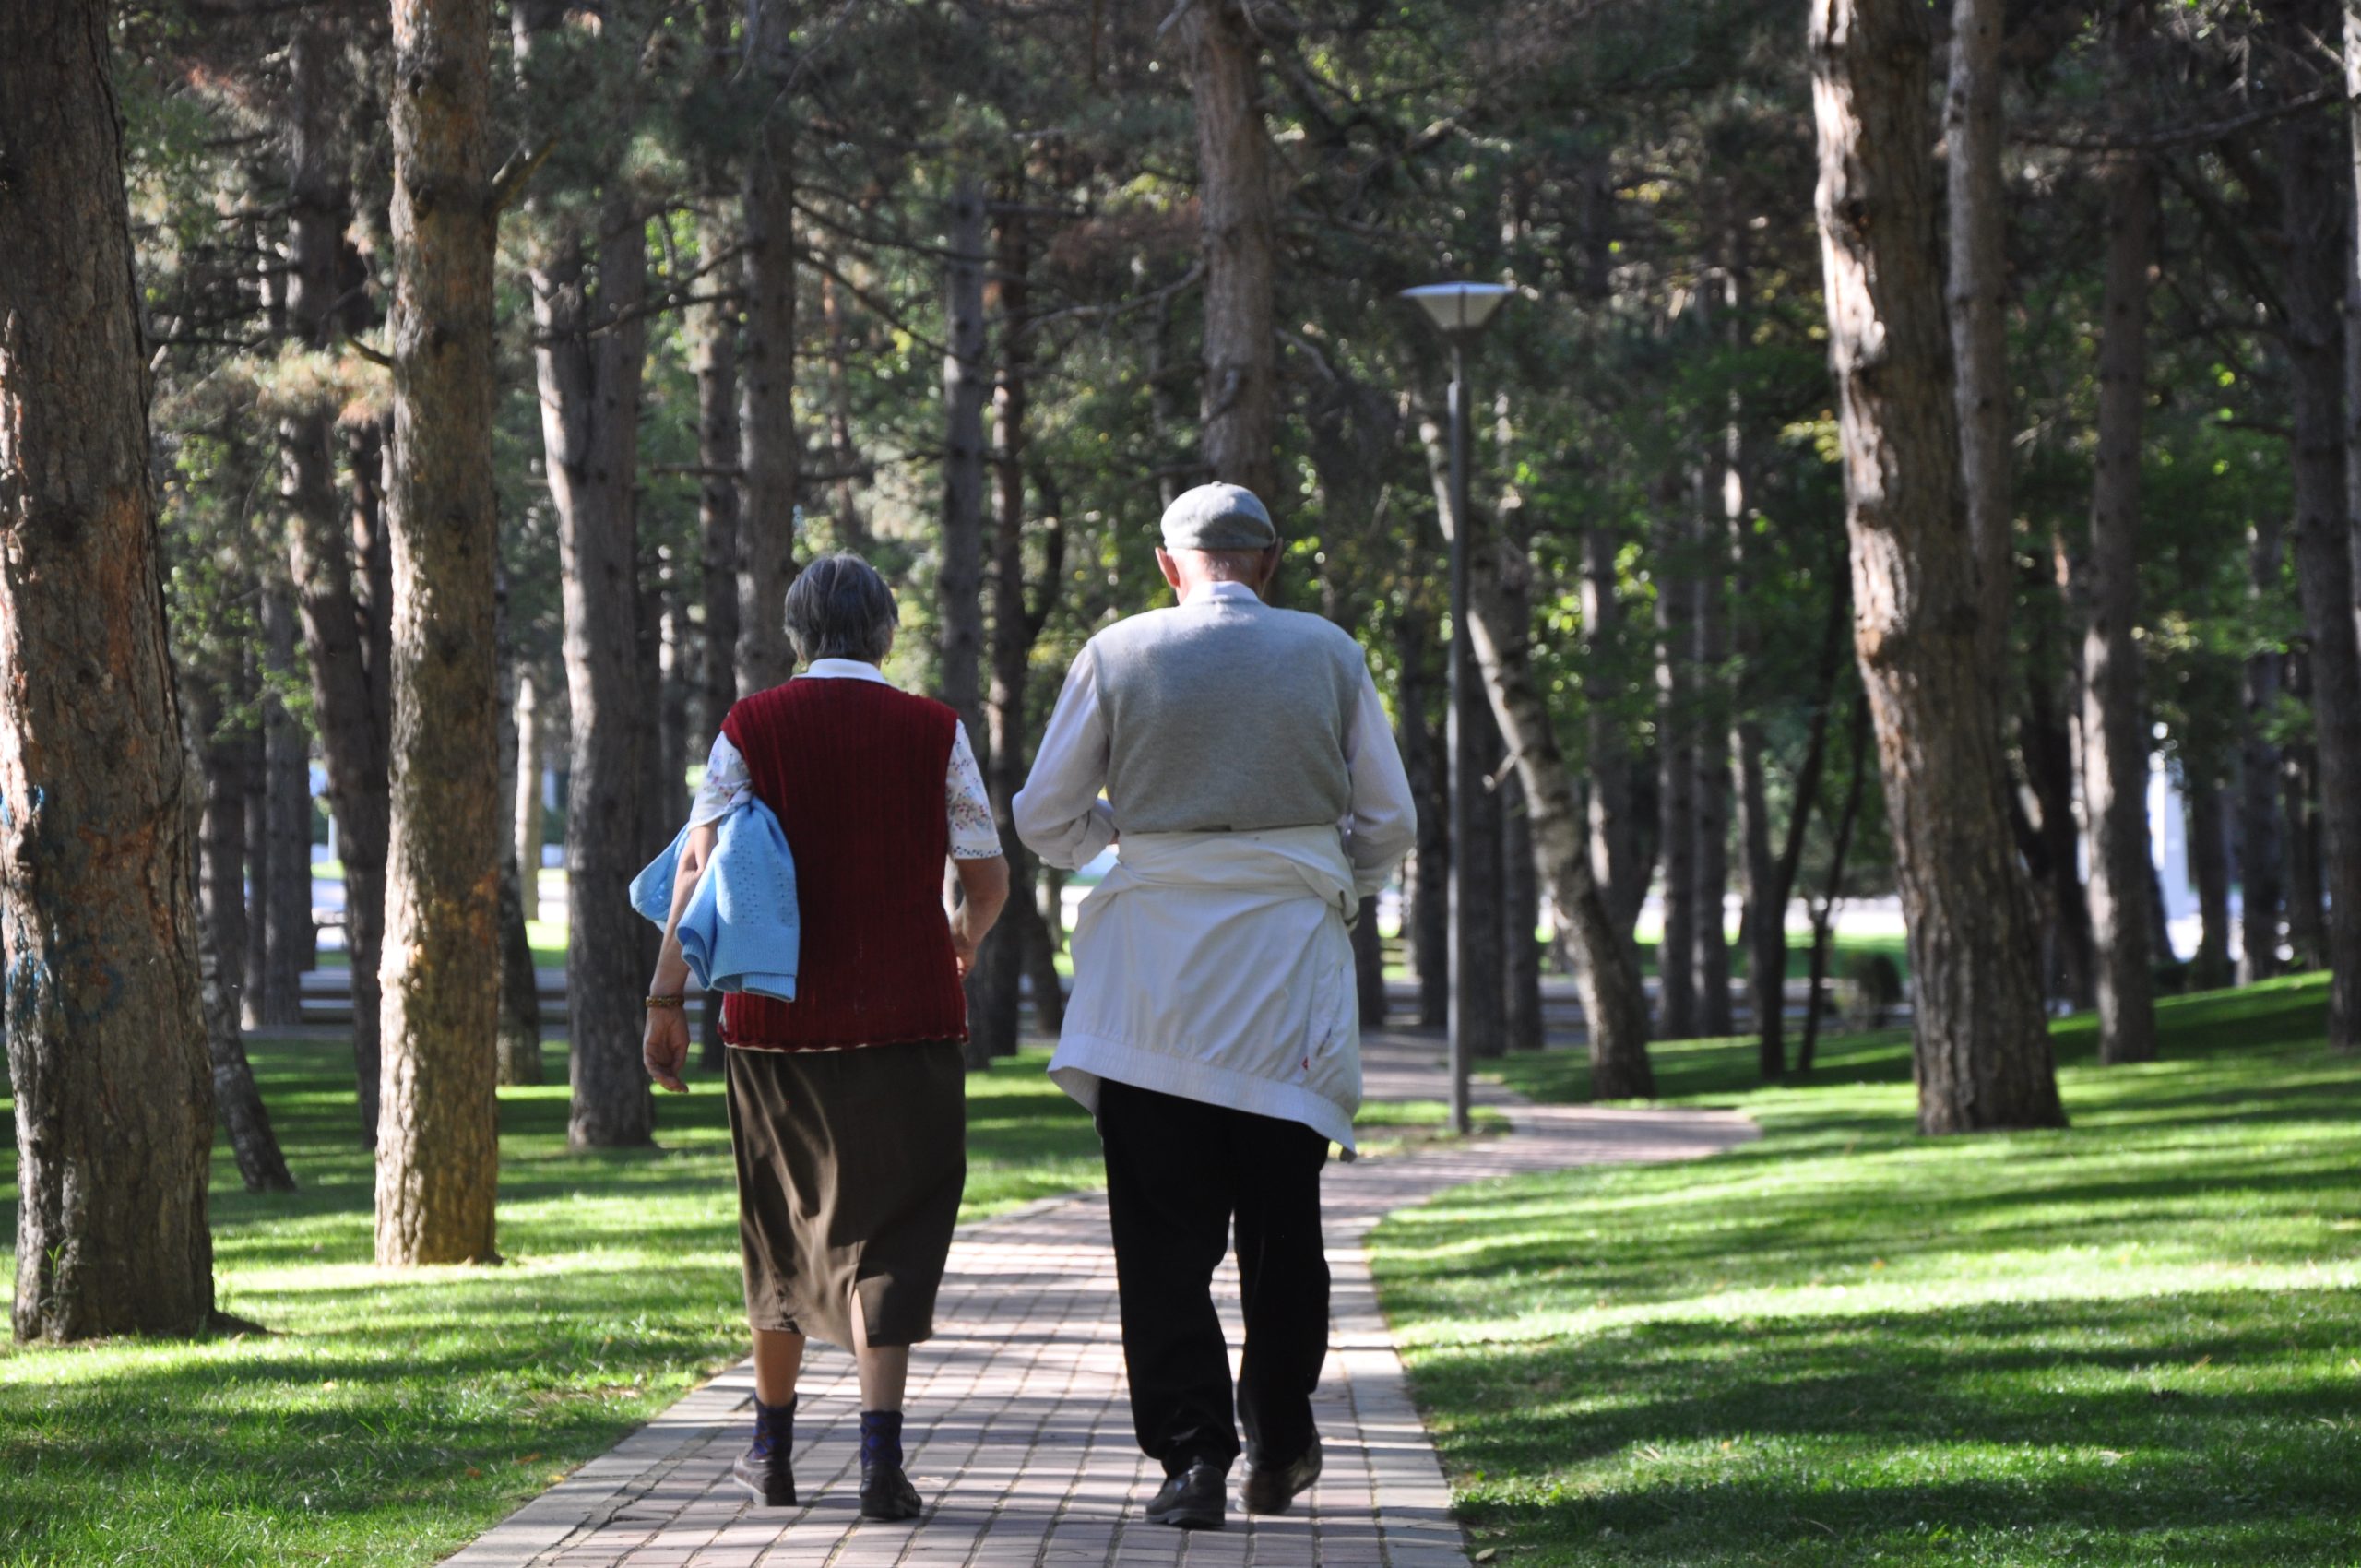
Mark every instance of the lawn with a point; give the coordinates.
(2138, 1341)
(389, 1418)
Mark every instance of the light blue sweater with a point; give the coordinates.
(740, 930)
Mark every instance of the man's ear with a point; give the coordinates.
(1169, 567)
(1271, 555)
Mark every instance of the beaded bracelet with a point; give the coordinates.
(663, 1002)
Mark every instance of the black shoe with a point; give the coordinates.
(1269, 1489)
(769, 1476)
(886, 1494)
(1192, 1499)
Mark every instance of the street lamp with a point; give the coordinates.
(1461, 312)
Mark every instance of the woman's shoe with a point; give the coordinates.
(769, 1477)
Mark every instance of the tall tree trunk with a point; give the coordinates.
(1482, 979)
(102, 1011)
(2306, 920)
(590, 406)
(713, 359)
(2259, 880)
(2045, 739)
(2209, 867)
(1708, 742)
(349, 710)
(223, 753)
(257, 852)
(1676, 780)
(1614, 1007)
(527, 819)
(1425, 933)
(2312, 206)
(1823, 919)
(1019, 948)
(966, 382)
(1613, 818)
(1238, 228)
(1521, 1023)
(2115, 750)
(1977, 234)
(518, 1048)
(253, 1144)
(773, 448)
(852, 532)
(1982, 1042)
(283, 869)
(438, 1153)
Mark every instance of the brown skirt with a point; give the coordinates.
(850, 1165)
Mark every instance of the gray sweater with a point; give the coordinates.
(1226, 715)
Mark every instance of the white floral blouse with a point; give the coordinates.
(965, 805)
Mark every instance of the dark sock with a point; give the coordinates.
(881, 1439)
(773, 1427)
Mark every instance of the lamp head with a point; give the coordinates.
(1460, 309)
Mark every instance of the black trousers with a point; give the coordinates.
(1179, 1173)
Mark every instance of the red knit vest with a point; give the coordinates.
(855, 771)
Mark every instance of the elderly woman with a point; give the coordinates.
(847, 1106)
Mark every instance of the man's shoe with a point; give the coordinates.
(1192, 1499)
(1270, 1489)
(887, 1496)
(766, 1475)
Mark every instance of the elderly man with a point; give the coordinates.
(1248, 765)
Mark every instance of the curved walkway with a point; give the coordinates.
(1019, 1429)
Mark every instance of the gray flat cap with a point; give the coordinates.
(1218, 516)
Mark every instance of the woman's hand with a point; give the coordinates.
(665, 1047)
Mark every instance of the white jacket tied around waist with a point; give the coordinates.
(1217, 967)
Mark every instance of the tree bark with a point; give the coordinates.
(283, 869)
(1981, 1041)
(2307, 921)
(1614, 1007)
(713, 359)
(438, 1151)
(257, 884)
(967, 381)
(518, 1048)
(252, 1144)
(1521, 1022)
(1709, 739)
(773, 448)
(1823, 919)
(1977, 233)
(2115, 750)
(852, 532)
(2312, 211)
(1616, 860)
(1017, 947)
(349, 708)
(1426, 933)
(102, 1011)
(2209, 867)
(2046, 739)
(1240, 414)
(223, 755)
(531, 760)
(1675, 782)
(2260, 879)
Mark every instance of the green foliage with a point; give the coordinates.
(2127, 1343)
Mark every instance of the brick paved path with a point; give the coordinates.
(1019, 1434)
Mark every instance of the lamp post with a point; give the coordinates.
(1461, 312)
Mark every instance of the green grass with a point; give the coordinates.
(2138, 1341)
(387, 1418)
